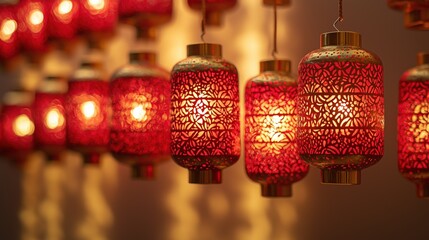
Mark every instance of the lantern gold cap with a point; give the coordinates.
(276, 190)
(417, 18)
(18, 98)
(53, 84)
(145, 57)
(340, 38)
(275, 65)
(423, 190)
(422, 58)
(277, 2)
(205, 49)
(341, 177)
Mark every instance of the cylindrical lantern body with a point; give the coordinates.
(416, 12)
(63, 18)
(413, 125)
(271, 151)
(8, 31)
(98, 15)
(32, 24)
(17, 125)
(205, 127)
(87, 112)
(214, 9)
(49, 117)
(140, 131)
(341, 108)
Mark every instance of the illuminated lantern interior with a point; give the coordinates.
(205, 125)
(98, 15)
(32, 22)
(341, 108)
(63, 18)
(413, 125)
(271, 151)
(416, 12)
(49, 117)
(17, 125)
(87, 109)
(214, 9)
(140, 131)
(8, 31)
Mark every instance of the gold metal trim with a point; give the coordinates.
(341, 38)
(275, 65)
(416, 18)
(205, 49)
(341, 177)
(423, 58)
(143, 172)
(423, 190)
(205, 176)
(276, 190)
(142, 57)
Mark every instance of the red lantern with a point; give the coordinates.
(49, 117)
(17, 125)
(205, 127)
(416, 12)
(341, 108)
(413, 124)
(140, 131)
(87, 112)
(147, 14)
(214, 9)
(271, 151)
(8, 31)
(63, 18)
(98, 15)
(32, 24)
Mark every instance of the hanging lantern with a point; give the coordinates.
(87, 108)
(49, 117)
(341, 108)
(416, 12)
(98, 15)
(146, 15)
(8, 31)
(413, 137)
(205, 127)
(271, 151)
(140, 131)
(32, 24)
(17, 125)
(213, 9)
(63, 18)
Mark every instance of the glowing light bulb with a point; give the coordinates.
(54, 119)
(65, 7)
(8, 27)
(138, 113)
(97, 4)
(88, 109)
(36, 17)
(23, 126)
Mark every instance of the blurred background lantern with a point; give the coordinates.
(271, 151)
(146, 15)
(205, 127)
(214, 9)
(140, 131)
(32, 24)
(98, 15)
(413, 125)
(341, 108)
(416, 12)
(8, 31)
(49, 117)
(17, 125)
(87, 109)
(62, 18)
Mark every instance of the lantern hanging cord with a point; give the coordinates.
(203, 21)
(274, 52)
(340, 15)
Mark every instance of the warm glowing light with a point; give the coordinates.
(139, 113)
(88, 109)
(23, 126)
(65, 7)
(36, 17)
(8, 27)
(97, 4)
(54, 119)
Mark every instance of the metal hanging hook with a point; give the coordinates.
(340, 15)
(203, 21)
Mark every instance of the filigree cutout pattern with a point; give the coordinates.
(341, 114)
(271, 152)
(205, 123)
(413, 129)
(141, 118)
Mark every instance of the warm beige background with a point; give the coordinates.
(67, 202)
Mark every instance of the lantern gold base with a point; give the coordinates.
(205, 176)
(423, 190)
(91, 159)
(341, 177)
(276, 190)
(143, 172)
